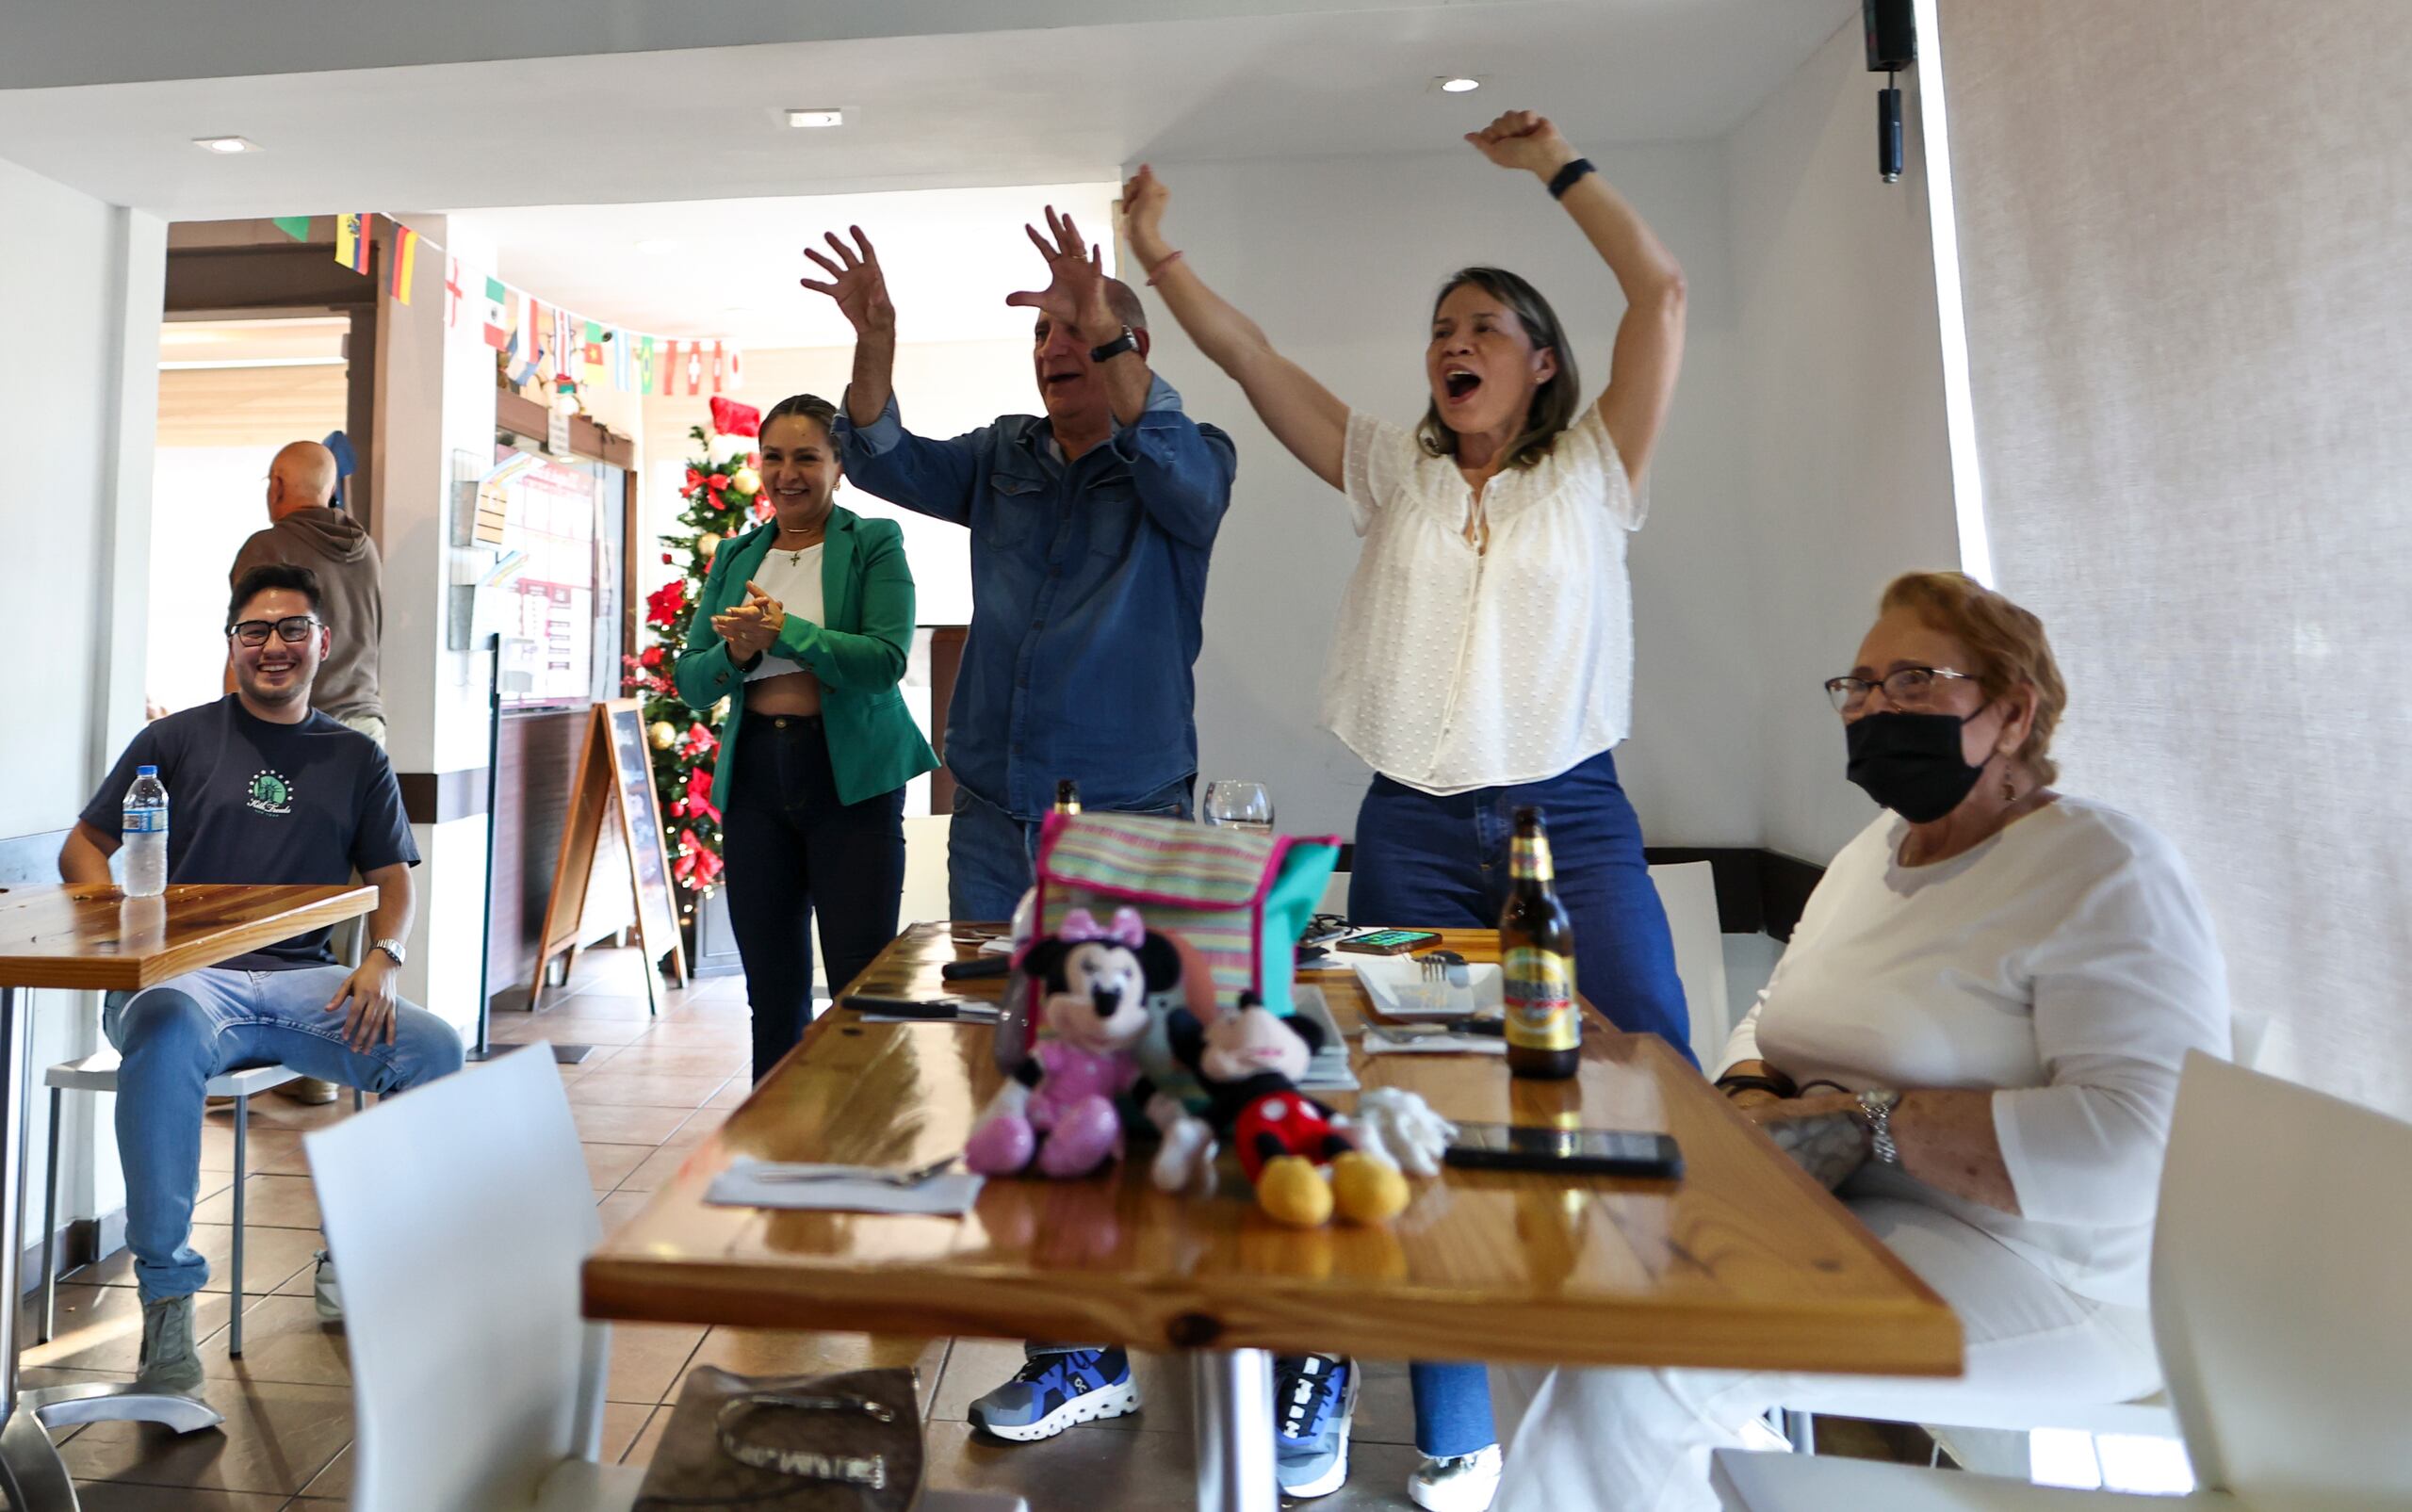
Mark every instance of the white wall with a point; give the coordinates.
(1840, 413)
(435, 399)
(1339, 259)
(80, 292)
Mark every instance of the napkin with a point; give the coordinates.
(1437, 1045)
(741, 1185)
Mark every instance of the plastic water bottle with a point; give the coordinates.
(145, 834)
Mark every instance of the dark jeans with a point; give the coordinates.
(1439, 863)
(792, 849)
(991, 857)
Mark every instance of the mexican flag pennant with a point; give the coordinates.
(497, 313)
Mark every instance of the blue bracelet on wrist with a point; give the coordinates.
(1568, 176)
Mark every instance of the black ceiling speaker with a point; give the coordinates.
(1892, 45)
(1892, 34)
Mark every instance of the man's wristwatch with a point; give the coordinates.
(1127, 341)
(1876, 1107)
(393, 949)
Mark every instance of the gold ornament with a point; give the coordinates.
(664, 735)
(708, 543)
(745, 481)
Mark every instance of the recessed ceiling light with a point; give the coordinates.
(656, 246)
(1460, 85)
(816, 118)
(225, 144)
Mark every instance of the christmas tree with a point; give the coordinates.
(722, 498)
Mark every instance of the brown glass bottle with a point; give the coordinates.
(1544, 1028)
(1067, 796)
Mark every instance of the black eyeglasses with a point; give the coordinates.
(1906, 686)
(293, 629)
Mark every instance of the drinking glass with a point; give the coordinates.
(1241, 805)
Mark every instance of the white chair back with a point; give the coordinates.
(2248, 1033)
(2278, 1298)
(1688, 893)
(459, 1216)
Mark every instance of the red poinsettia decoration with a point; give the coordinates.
(700, 742)
(730, 418)
(696, 866)
(663, 605)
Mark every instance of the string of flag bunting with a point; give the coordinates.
(541, 343)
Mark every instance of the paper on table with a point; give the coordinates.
(1437, 1045)
(743, 1186)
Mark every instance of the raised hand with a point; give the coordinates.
(856, 283)
(1075, 295)
(1144, 199)
(1523, 139)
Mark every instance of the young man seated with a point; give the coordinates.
(261, 789)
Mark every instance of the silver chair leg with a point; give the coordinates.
(235, 1268)
(1801, 1429)
(50, 1228)
(359, 1100)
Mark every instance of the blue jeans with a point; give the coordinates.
(1439, 863)
(175, 1036)
(992, 857)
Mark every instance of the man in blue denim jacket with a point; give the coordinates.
(1090, 532)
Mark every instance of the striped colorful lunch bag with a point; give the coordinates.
(1241, 898)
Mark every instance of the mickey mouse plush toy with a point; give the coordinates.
(1250, 1060)
(1093, 983)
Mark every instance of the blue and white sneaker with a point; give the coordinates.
(1054, 1391)
(1315, 1399)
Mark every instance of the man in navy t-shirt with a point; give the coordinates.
(261, 789)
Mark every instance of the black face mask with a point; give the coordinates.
(1911, 763)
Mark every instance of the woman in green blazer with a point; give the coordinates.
(804, 627)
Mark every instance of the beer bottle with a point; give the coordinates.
(1067, 796)
(1544, 1030)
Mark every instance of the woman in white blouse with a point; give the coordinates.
(1974, 1037)
(1484, 657)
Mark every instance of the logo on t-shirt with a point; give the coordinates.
(272, 792)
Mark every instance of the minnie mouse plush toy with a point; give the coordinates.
(1092, 984)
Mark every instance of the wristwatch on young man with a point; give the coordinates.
(394, 949)
(1127, 341)
(1876, 1107)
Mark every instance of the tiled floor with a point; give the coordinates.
(653, 1087)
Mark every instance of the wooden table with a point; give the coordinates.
(54, 935)
(1743, 1265)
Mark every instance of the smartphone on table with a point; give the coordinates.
(1391, 941)
(1574, 1151)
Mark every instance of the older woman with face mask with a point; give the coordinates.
(1975, 1037)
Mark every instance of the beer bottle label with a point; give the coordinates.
(1540, 988)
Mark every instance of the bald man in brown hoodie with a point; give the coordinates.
(304, 531)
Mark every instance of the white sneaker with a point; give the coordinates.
(1460, 1483)
(330, 1298)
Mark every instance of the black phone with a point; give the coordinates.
(1582, 1151)
(921, 1007)
(977, 966)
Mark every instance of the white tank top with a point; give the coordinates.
(793, 578)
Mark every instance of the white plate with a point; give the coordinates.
(1396, 984)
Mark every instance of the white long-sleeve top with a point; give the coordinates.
(2068, 961)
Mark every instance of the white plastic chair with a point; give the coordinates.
(1687, 892)
(1943, 1402)
(2278, 1308)
(98, 1072)
(461, 1214)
